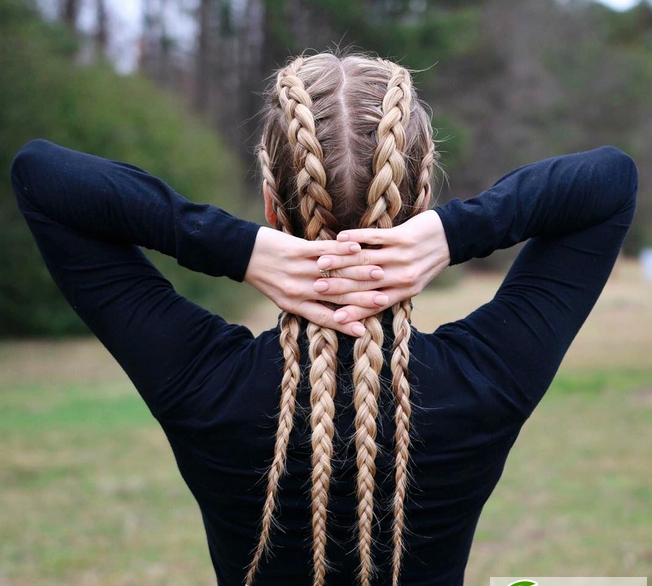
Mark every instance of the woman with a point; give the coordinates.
(381, 439)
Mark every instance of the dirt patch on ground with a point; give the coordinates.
(642, 398)
(26, 362)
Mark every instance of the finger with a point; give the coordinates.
(373, 236)
(354, 314)
(366, 257)
(371, 273)
(321, 315)
(339, 286)
(313, 249)
(350, 279)
(371, 299)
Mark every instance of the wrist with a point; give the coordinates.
(444, 232)
(257, 260)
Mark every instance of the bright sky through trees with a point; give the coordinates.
(125, 18)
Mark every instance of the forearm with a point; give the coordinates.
(545, 199)
(117, 202)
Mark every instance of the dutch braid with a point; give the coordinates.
(423, 188)
(399, 366)
(368, 356)
(316, 204)
(401, 388)
(323, 355)
(320, 224)
(383, 204)
(290, 326)
(399, 98)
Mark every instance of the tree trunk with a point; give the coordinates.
(202, 60)
(102, 33)
(69, 12)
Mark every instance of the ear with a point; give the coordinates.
(269, 211)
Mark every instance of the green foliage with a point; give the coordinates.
(90, 108)
(425, 39)
(631, 28)
(452, 137)
(419, 35)
(603, 75)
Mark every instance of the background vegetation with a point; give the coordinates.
(91, 108)
(509, 81)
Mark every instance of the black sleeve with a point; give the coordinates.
(576, 210)
(88, 216)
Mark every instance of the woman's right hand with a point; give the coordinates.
(411, 255)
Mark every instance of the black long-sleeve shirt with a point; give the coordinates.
(214, 387)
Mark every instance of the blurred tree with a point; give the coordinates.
(509, 81)
(102, 33)
(94, 110)
(202, 74)
(69, 14)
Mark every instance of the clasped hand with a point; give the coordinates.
(362, 281)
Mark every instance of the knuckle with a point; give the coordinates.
(410, 276)
(354, 313)
(293, 270)
(321, 317)
(293, 290)
(404, 279)
(285, 305)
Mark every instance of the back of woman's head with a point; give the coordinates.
(346, 144)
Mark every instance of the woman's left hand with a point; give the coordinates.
(284, 268)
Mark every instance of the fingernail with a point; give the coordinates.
(324, 262)
(340, 316)
(377, 274)
(342, 237)
(320, 286)
(381, 299)
(354, 247)
(358, 330)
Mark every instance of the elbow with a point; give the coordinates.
(28, 169)
(623, 173)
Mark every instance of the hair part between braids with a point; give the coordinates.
(346, 144)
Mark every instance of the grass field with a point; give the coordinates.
(90, 494)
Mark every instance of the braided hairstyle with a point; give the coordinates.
(346, 144)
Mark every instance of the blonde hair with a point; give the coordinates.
(346, 144)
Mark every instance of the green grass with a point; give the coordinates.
(90, 493)
(576, 495)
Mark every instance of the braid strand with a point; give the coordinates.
(316, 211)
(290, 325)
